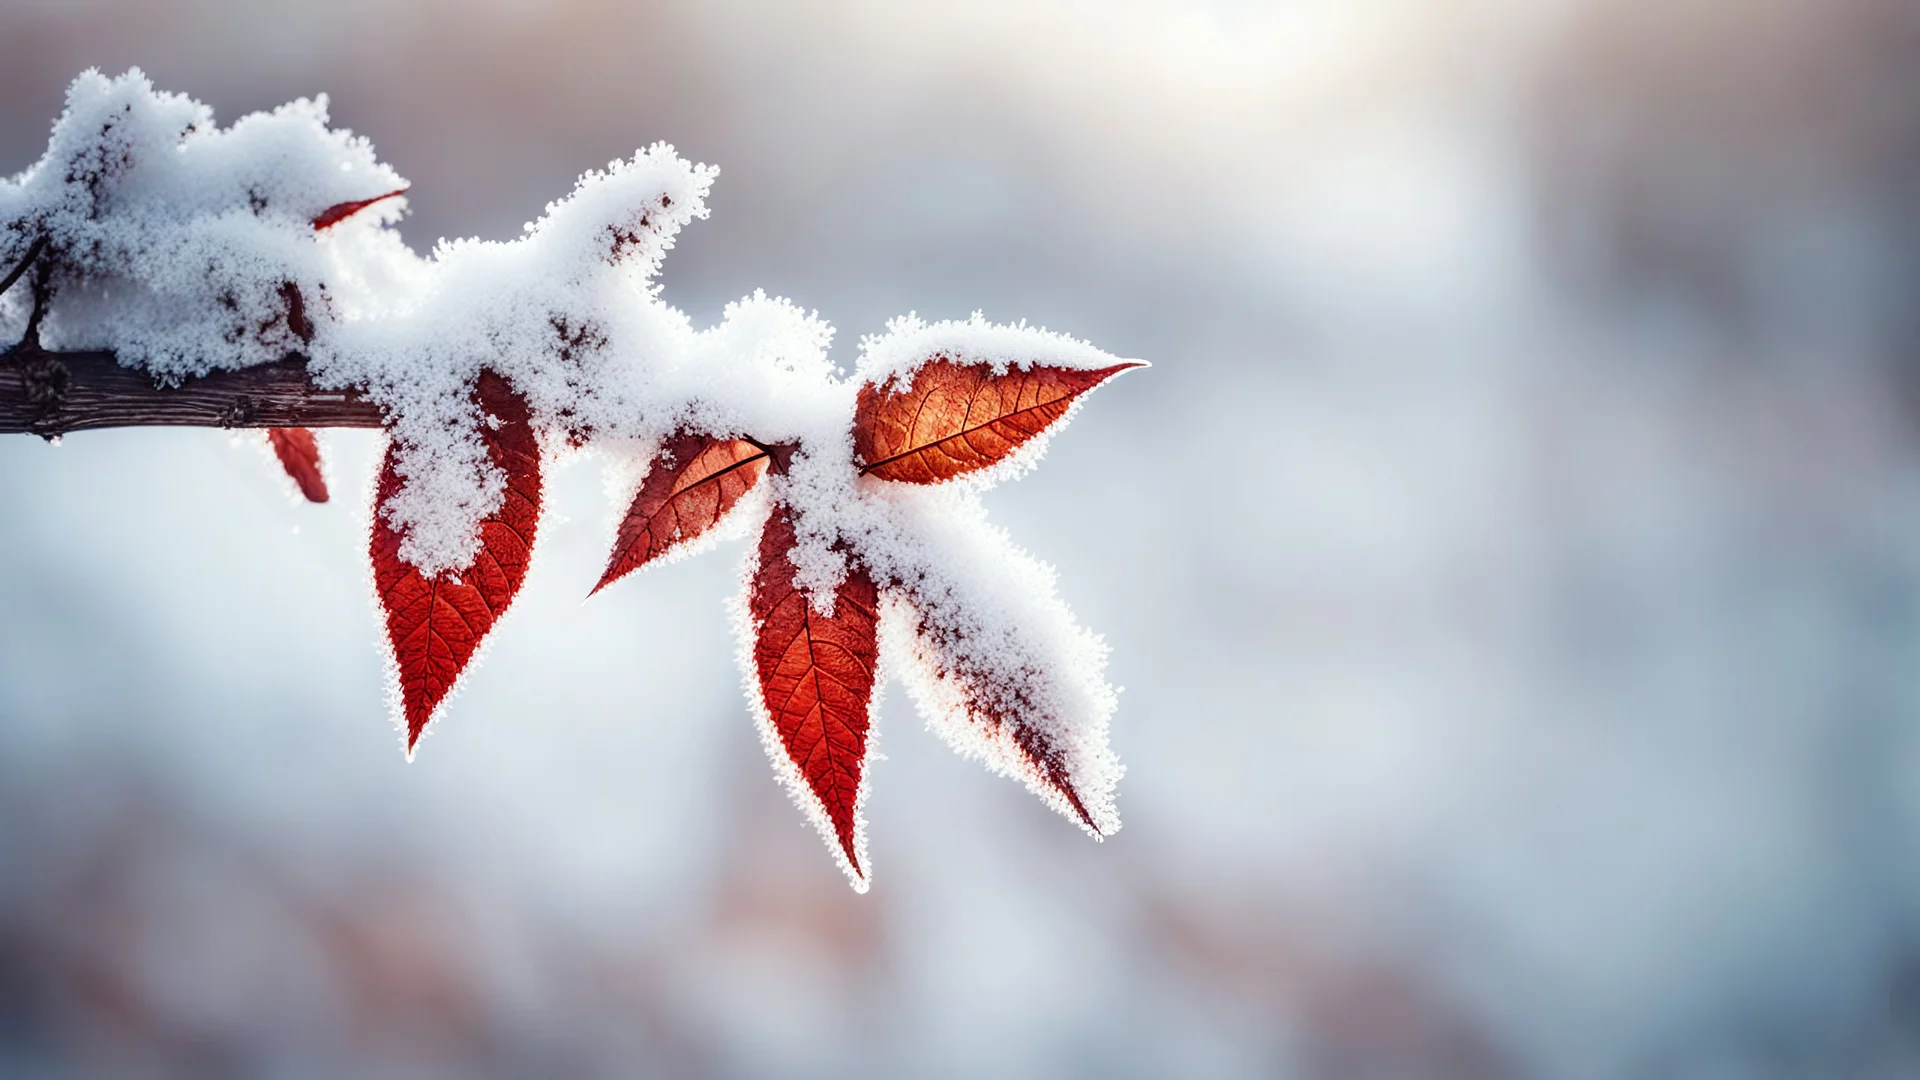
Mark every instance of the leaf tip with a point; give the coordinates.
(1082, 815)
(299, 454)
(850, 845)
(1108, 374)
(334, 215)
(614, 572)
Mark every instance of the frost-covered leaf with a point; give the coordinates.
(948, 419)
(299, 454)
(436, 623)
(339, 212)
(816, 679)
(990, 654)
(694, 481)
(1006, 715)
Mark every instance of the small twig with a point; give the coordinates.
(779, 455)
(42, 298)
(33, 252)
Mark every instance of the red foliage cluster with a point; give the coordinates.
(816, 669)
(297, 449)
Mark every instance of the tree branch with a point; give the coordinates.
(33, 252)
(51, 393)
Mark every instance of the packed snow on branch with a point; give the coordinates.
(174, 241)
(185, 248)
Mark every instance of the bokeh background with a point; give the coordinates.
(1512, 562)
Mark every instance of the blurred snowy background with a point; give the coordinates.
(1513, 563)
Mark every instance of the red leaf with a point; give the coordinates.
(694, 481)
(950, 419)
(299, 454)
(434, 625)
(339, 212)
(816, 676)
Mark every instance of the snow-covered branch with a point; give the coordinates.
(163, 270)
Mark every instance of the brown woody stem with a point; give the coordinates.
(51, 393)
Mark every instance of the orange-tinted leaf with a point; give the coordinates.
(951, 419)
(339, 212)
(299, 454)
(434, 625)
(694, 481)
(816, 676)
